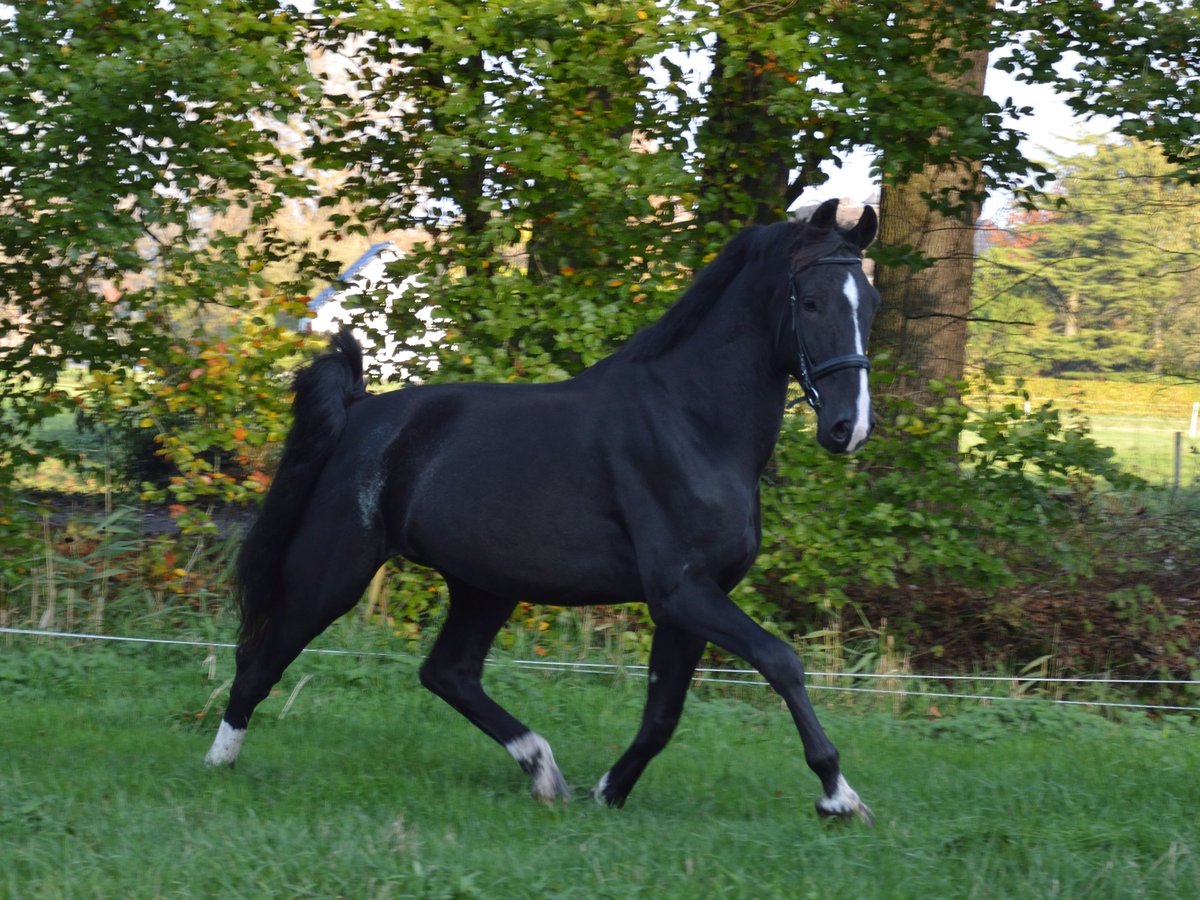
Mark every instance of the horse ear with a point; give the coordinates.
(864, 232)
(826, 215)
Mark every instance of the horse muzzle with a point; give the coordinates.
(844, 427)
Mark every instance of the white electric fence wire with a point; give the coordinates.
(711, 675)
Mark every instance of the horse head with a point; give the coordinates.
(831, 305)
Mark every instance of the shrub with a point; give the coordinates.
(905, 512)
(197, 424)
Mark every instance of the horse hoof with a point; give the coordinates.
(602, 796)
(549, 787)
(860, 812)
(533, 753)
(610, 802)
(226, 746)
(844, 804)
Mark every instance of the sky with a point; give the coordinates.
(1053, 130)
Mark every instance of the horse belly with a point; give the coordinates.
(520, 525)
(537, 562)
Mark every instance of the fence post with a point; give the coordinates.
(1178, 460)
(1195, 426)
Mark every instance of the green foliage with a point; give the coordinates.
(569, 167)
(142, 142)
(1107, 282)
(96, 571)
(1135, 62)
(534, 188)
(901, 512)
(196, 422)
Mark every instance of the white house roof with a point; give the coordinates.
(346, 279)
(342, 303)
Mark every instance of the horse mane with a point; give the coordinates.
(682, 318)
(798, 243)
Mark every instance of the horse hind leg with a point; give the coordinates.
(324, 579)
(454, 671)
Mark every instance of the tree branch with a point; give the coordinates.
(912, 317)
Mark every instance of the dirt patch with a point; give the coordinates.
(1132, 624)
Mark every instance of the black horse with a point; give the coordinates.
(635, 481)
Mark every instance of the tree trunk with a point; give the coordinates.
(922, 324)
(1071, 315)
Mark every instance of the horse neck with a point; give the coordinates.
(725, 376)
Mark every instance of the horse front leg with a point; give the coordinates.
(706, 611)
(674, 654)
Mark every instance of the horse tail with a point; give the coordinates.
(324, 391)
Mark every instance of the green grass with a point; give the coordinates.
(370, 787)
(1146, 447)
(1137, 420)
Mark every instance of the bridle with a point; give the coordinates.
(807, 373)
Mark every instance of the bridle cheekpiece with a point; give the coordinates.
(807, 373)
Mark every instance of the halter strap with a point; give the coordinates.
(807, 372)
(834, 261)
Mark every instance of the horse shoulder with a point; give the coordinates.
(685, 510)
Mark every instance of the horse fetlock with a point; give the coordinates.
(225, 746)
(533, 753)
(844, 804)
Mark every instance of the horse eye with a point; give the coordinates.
(810, 306)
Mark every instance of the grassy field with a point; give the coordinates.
(1137, 420)
(369, 787)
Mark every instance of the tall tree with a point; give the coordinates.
(928, 214)
(126, 129)
(1111, 269)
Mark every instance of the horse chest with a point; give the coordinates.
(696, 521)
(730, 540)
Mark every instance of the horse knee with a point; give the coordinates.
(782, 660)
(440, 679)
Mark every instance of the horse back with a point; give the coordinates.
(560, 493)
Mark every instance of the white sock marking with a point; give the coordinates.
(844, 801)
(226, 745)
(598, 793)
(862, 413)
(533, 752)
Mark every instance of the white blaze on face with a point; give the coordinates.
(862, 409)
